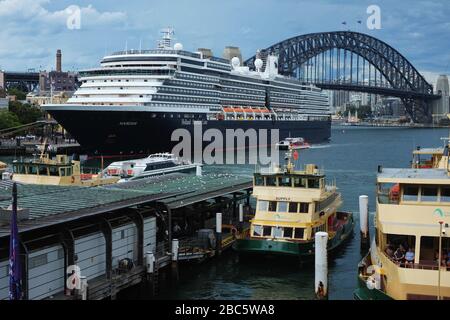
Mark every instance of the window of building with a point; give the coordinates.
(271, 181)
(273, 206)
(37, 261)
(293, 207)
(263, 205)
(313, 183)
(445, 194)
(267, 231)
(429, 193)
(43, 171)
(287, 232)
(277, 232)
(257, 230)
(299, 182)
(304, 207)
(285, 181)
(410, 193)
(282, 206)
(299, 232)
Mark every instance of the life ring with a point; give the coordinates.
(73, 179)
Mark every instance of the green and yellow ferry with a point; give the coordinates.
(291, 207)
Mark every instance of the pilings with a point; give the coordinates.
(218, 233)
(241, 217)
(364, 221)
(321, 265)
(175, 249)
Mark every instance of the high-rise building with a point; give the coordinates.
(440, 108)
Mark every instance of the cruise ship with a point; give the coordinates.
(135, 100)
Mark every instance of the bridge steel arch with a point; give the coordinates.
(403, 78)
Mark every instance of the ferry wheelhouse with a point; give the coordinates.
(59, 171)
(291, 207)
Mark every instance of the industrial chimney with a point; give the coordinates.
(58, 60)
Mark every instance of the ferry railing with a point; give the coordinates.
(422, 266)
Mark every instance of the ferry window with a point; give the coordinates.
(282, 206)
(285, 181)
(299, 233)
(410, 193)
(429, 193)
(287, 233)
(53, 171)
(445, 194)
(20, 169)
(277, 232)
(32, 170)
(62, 172)
(299, 182)
(267, 231)
(43, 171)
(304, 207)
(259, 180)
(293, 207)
(257, 231)
(313, 183)
(273, 206)
(263, 205)
(271, 181)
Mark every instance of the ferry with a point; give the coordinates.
(409, 258)
(291, 207)
(60, 171)
(137, 95)
(155, 164)
(293, 143)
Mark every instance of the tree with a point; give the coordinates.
(20, 95)
(8, 120)
(25, 112)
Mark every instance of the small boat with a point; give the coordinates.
(291, 207)
(60, 171)
(293, 143)
(153, 165)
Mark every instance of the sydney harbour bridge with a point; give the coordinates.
(353, 61)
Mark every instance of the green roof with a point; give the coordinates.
(70, 202)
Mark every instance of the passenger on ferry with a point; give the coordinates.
(399, 254)
(409, 256)
(390, 250)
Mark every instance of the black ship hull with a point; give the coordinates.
(127, 133)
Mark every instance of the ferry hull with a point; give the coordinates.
(362, 292)
(132, 132)
(303, 250)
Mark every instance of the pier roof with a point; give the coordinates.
(49, 205)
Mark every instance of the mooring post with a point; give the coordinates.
(364, 221)
(241, 217)
(150, 268)
(83, 287)
(218, 233)
(321, 265)
(175, 248)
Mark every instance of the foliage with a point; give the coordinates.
(20, 95)
(8, 120)
(25, 113)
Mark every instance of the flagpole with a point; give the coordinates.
(14, 255)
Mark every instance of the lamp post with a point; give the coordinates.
(439, 260)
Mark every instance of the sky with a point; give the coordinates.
(32, 30)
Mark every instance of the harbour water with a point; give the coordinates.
(351, 158)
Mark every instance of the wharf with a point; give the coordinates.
(121, 221)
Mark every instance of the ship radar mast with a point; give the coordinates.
(165, 41)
